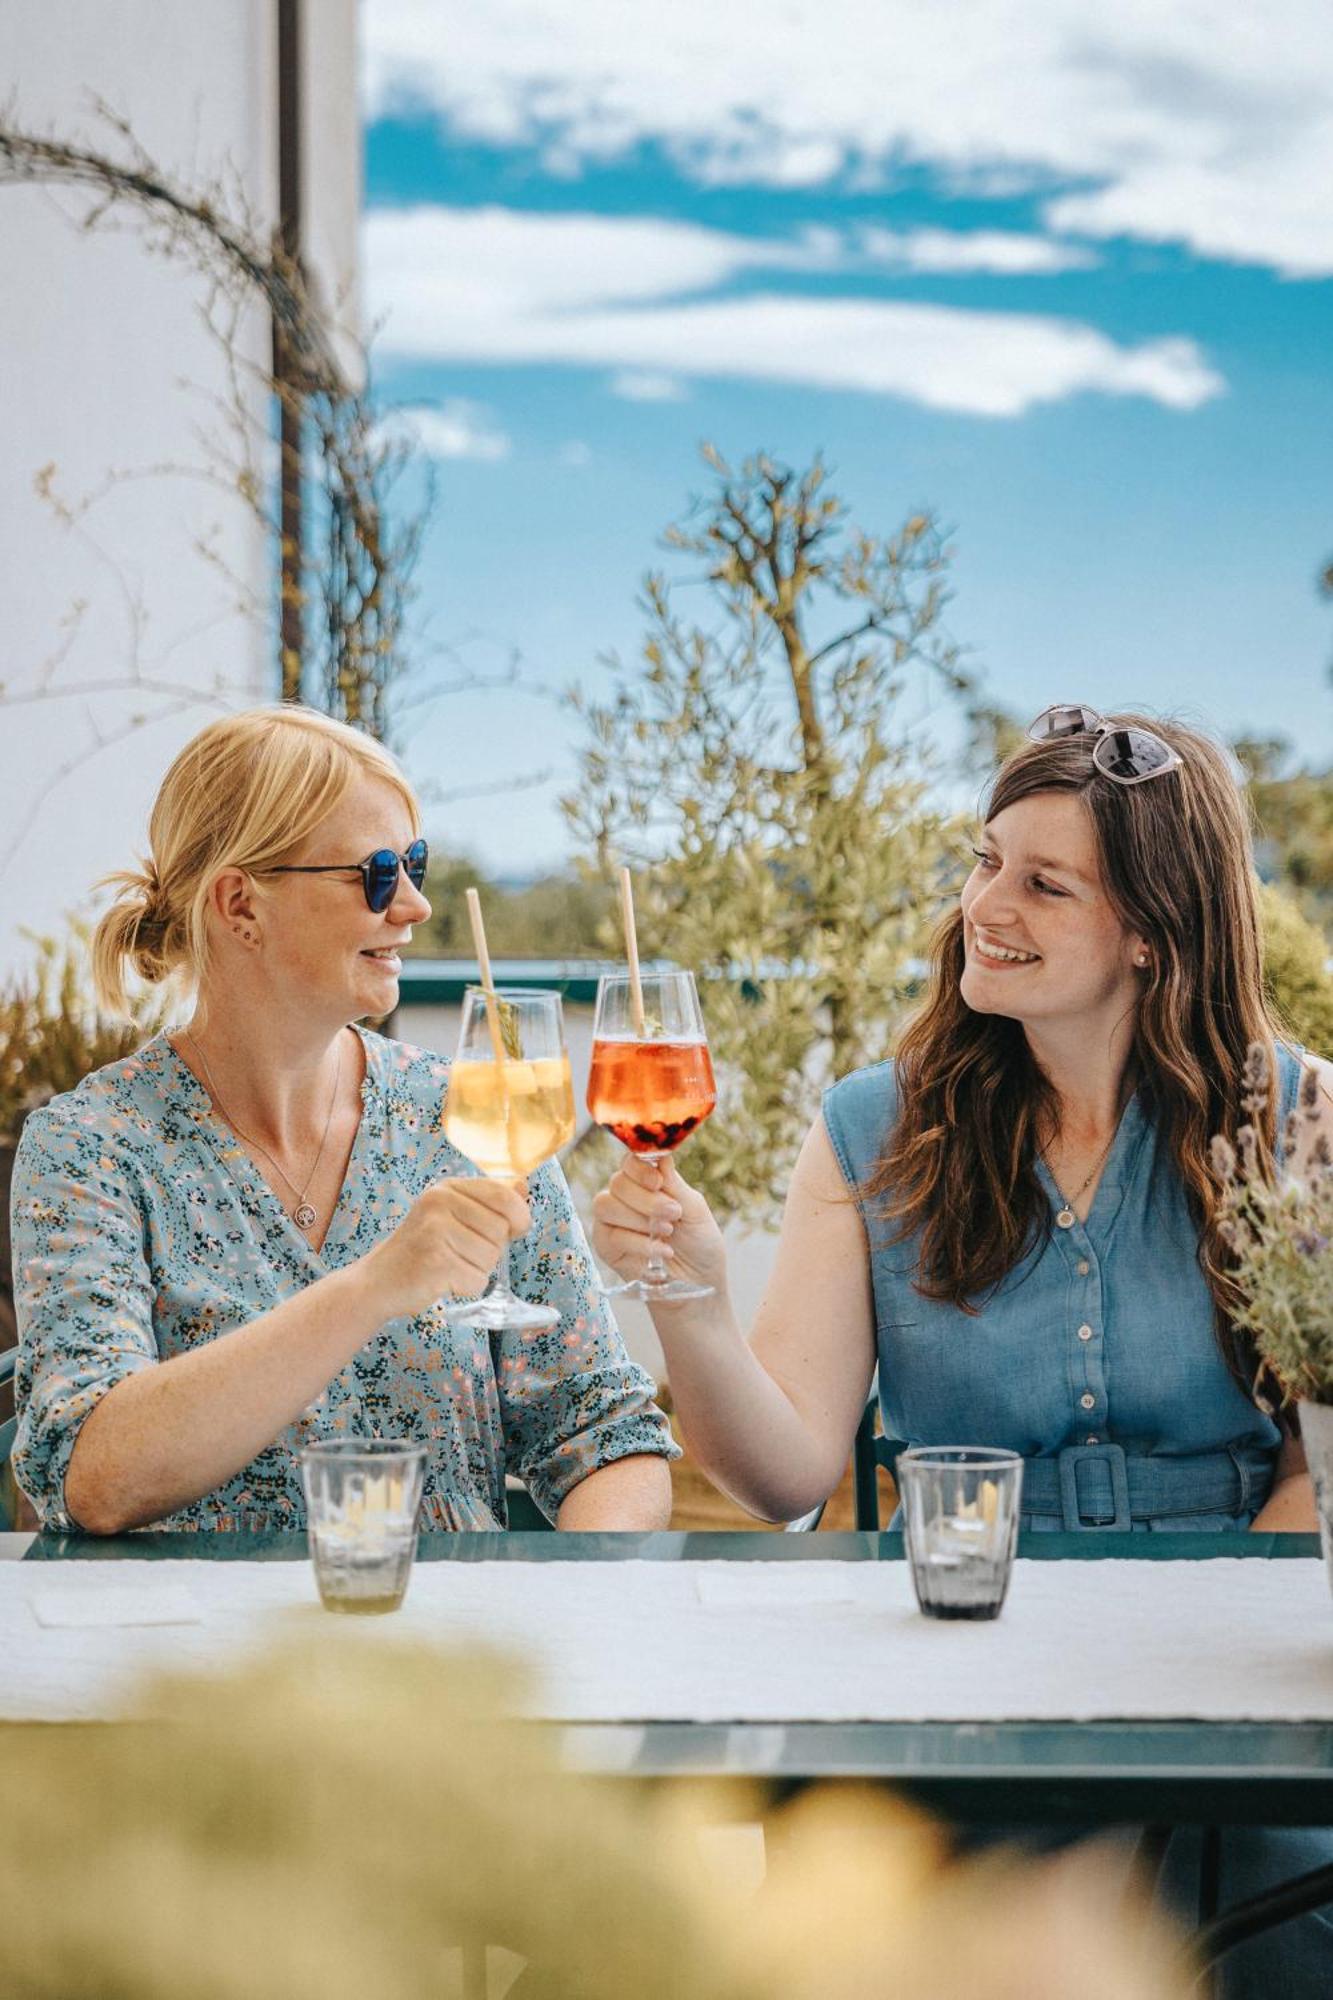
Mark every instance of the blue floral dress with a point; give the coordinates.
(141, 1230)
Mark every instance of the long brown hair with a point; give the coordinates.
(1176, 863)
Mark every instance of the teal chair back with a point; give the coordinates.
(8, 1429)
(870, 1451)
(524, 1513)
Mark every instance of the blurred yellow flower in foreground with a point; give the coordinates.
(339, 1822)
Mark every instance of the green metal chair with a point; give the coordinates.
(9, 1499)
(870, 1451)
(525, 1516)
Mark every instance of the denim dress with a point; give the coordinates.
(1096, 1359)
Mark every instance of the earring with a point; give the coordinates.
(247, 936)
(1142, 960)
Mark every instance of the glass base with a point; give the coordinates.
(663, 1291)
(497, 1310)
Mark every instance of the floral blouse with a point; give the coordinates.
(141, 1229)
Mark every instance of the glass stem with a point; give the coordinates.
(655, 1271)
(496, 1286)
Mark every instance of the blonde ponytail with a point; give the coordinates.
(131, 933)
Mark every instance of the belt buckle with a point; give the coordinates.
(1070, 1459)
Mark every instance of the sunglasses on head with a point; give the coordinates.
(378, 872)
(1126, 756)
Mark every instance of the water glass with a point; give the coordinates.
(960, 1517)
(362, 1500)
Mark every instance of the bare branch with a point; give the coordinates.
(435, 794)
(357, 570)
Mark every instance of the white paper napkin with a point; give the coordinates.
(777, 1583)
(99, 1604)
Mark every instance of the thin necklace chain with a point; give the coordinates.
(303, 1214)
(1067, 1201)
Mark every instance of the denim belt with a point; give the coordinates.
(1102, 1486)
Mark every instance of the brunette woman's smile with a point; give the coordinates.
(997, 956)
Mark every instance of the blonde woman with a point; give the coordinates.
(245, 1236)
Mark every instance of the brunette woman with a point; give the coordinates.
(1015, 1219)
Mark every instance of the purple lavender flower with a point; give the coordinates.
(1310, 1243)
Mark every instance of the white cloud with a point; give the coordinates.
(455, 429)
(1208, 123)
(493, 286)
(637, 387)
(1005, 252)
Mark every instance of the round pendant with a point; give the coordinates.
(1064, 1220)
(305, 1215)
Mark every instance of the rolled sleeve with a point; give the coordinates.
(571, 1399)
(82, 1294)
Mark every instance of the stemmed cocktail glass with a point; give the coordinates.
(651, 1084)
(510, 1105)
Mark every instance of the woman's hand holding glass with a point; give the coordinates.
(448, 1243)
(646, 1210)
(651, 1085)
(509, 1106)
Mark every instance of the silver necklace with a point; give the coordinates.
(303, 1215)
(1064, 1215)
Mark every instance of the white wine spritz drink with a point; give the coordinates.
(508, 1117)
(509, 1106)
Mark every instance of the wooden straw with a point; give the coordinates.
(487, 982)
(632, 952)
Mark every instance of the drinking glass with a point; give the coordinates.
(362, 1498)
(960, 1518)
(509, 1116)
(651, 1088)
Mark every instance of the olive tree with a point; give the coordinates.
(754, 768)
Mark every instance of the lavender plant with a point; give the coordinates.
(1278, 1225)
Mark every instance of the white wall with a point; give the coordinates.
(105, 364)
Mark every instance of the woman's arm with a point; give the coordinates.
(770, 1421)
(631, 1493)
(171, 1431)
(1290, 1507)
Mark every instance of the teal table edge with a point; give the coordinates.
(1034, 1773)
(149, 1545)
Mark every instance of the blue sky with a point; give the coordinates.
(1071, 289)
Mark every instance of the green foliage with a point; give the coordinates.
(446, 934)
(1294, 815)
(51, 1035)
(559, 916)
(1279, 1230)
(750, 770)
(1295, 971)
(341, 1819)
(993, 734)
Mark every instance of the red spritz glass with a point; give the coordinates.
(651, 1084)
